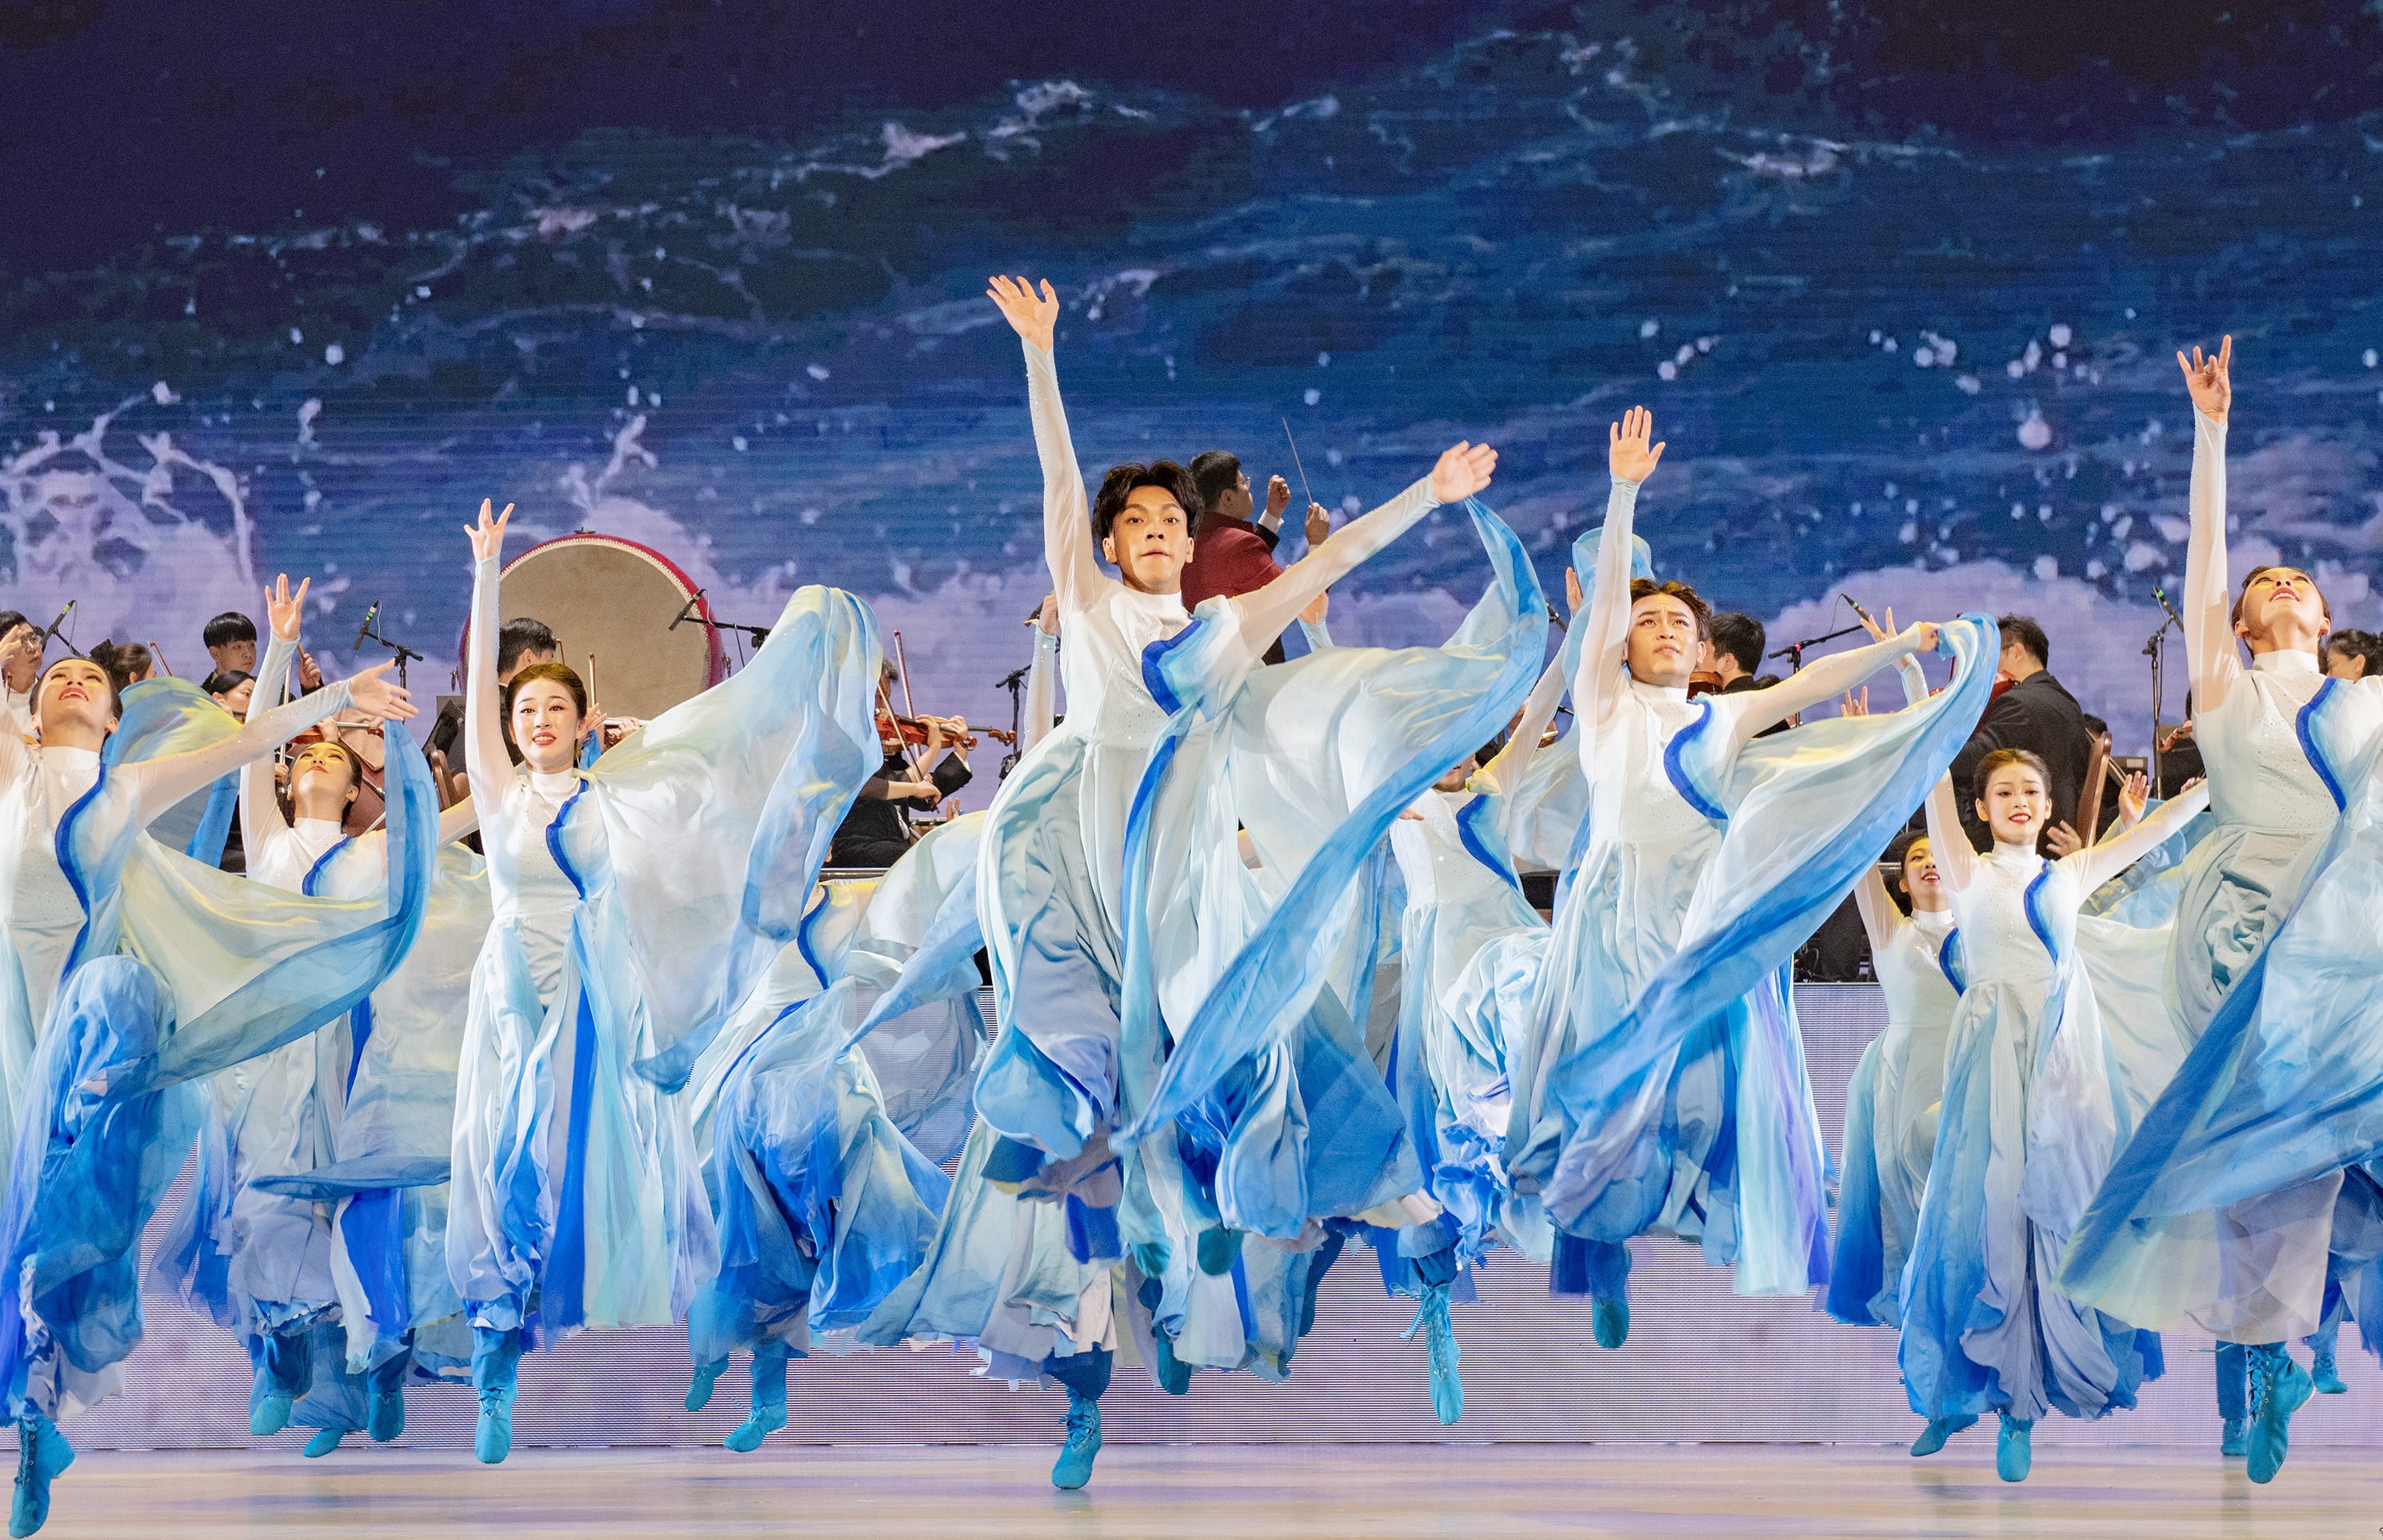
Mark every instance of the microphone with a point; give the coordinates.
(365, 630)
(61, 621)
(2161, 594)
(1858, 608)
(684, 611)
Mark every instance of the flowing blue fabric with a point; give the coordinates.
(179, 971)
(207, 845)
(1857, 1269)
(1279, 968)
(2283, 1089)
(1713, 1029)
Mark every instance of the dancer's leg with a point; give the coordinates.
(386, 1383)
(495, 1358)
(769, 1413)
(1600, 1269)
(2233, 1360)
(2279, 1388)
(285, 1371)
(1086, 1376)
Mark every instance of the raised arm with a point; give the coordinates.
(1462, 470)
(1505, 772)
(165, 782)
(1312, 623)
(2098, 864)
(1042, 678)
(1882, 921)
(2210, 648)
(1066, 512)
(486, 764)
(260, 810)
(1606, 642)
(457, 821)
(1956, 859)
(1752, 711)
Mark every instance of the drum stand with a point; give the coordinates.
(371, 632)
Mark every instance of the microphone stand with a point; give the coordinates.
(688, 615)
(403, 654)
(1793, 651)
(2156, 648)
(1015, 682)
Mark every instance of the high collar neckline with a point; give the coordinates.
(2284, 660)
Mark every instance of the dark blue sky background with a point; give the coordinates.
(1901, 282)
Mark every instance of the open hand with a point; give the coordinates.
(1313, 613)
(489, 537)
(1880, 630)
(2210, 380)
(284, 609)
(1462, 470)
(1627, 454)
(2133, 798)
(373, 695)
(2062, 840)
(1032, 318)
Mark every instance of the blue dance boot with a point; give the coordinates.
(41, 1453)
(1610, 1320)
(495, 1360)
(1086, 1375)
(769, 1413)
(2013, 1454)
(699, 1388)
(1441, 1353)
(1931, 1437)
(385, 1413)
(2324, 1374)
(285, 1371)
(2279, 1388)
(323, 1443)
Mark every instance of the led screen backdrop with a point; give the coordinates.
(1901, 288)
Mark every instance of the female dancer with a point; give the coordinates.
(1029, 1280)
(1661, 1089)
(102, 1044)
(636, 903)
(1890, 1103)
(2213, 1215)
(2043, 1076)
(264, 1251)
(808, 1246)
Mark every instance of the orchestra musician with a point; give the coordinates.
(926, 760)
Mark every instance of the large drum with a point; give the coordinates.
(616, 600)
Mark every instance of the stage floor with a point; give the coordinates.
(1217, 1492)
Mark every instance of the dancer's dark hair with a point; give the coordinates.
(1123, 480)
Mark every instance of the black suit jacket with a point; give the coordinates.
(2039, 714)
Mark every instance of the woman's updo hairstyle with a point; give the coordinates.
(1123, 480)
(223, 682)
(2003, 760)
(562, 674)
(124, 662)
(1647, 587)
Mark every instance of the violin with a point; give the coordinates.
(1704, 682)
(910, 729)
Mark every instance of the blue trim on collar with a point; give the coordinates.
(1948, 961)
(61, 845)
(315, 872)
(2301, 730)
(554, 839)
(1152, 679)
(1676, 769)
(2032, 900)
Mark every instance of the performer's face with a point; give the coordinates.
(2281, 608)
(1919, 877)
(1150, 540)
(1662, 640)
(2345, 665)
(2015, 805)
(546, 725)
(74, 700)
(235, 700)
(322, 776)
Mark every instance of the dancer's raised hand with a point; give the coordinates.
(1855, 704)
(1924, 635)
(1032, 318)
(1317, 608)
(1627, 454)
(1573, 599)
(1462, 470)
(2134, 799)
(2210, 380)
(373, 694)
(284, 609)
(489, 537)
(1878, 630)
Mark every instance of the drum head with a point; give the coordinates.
(616, 600)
